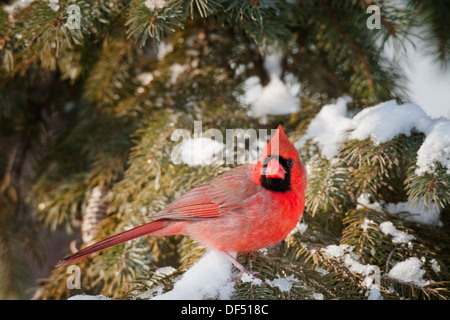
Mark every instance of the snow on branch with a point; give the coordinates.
(333, 126)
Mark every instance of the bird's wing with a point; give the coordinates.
(226, 193)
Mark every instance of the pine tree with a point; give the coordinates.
(88, 108)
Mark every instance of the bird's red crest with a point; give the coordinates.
(279, 144)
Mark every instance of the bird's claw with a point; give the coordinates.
(252, 274)
(242, 269)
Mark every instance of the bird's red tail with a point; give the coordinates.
(143, 230)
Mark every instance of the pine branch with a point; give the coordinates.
(362, 231)
(327, 186)
(110, 72)
(432, 188)
(143, 23)
(315, 256)
(380, 165)
(356, 48)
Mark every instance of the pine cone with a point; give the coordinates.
(95, 212)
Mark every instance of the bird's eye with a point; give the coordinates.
(290, 163)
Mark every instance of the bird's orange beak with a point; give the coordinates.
(275, 170)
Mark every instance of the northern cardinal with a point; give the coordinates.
(247, 208)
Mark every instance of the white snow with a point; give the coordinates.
(359, 268)
(364, 202)
(344, 254)
(387, 120)
(275, 98)
(435, 148)
(318, 296)
(263, 251)
(155, 4)
(374, 293)
(435, 265)
(245, 277)
(429, 216)
(176, 70)
(164, 271)
(428, 82)
(322, 271)
(53, 4)
(209, 277)
(333, 126)
(337, 251)
(419, 213)
(328, 128)
(157, 290)
(164, 48)
(17, 5)
(366, 224)
(409, 271)
(200, 151)
(145, 78)
(388, 227)
(300, 228)
(283, 283)
(252, 90)
(272, 63)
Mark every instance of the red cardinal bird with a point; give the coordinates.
(247, 208)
